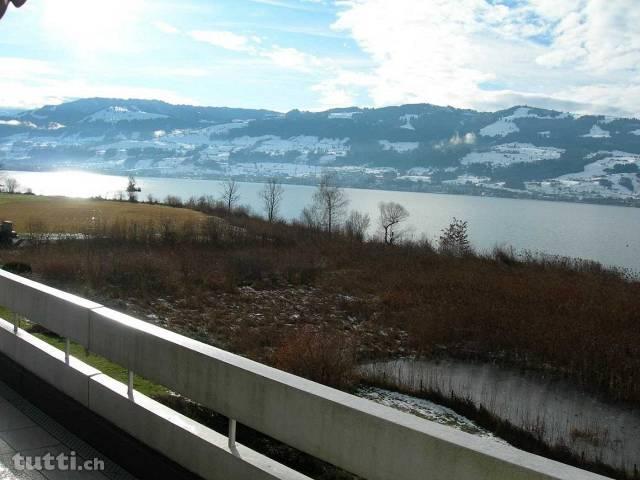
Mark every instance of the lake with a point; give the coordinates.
(608, 234)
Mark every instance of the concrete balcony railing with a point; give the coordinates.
(362, 437)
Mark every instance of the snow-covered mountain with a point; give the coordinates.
(521, 151)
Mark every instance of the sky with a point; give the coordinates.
(581, 56)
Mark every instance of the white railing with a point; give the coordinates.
(362, 437)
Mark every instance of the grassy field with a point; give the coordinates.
(38, 214)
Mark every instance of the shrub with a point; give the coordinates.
(454, 240)
(247, 269)
(506, 256)
(60, 269)
(301, 274)
(18, 268)
(322, 356)
(173, 201)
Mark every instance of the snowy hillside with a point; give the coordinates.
(521, 151)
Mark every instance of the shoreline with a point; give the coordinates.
(456, 190)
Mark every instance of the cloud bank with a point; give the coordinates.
(581, 55)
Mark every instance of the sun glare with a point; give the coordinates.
(74, 184)
(88, 26)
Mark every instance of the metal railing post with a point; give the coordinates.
(16, 323)
(67, 350)
(232, 434)
(130, 387)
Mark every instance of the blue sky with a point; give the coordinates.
(577, 55)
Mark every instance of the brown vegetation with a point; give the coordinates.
(38, 214)
(267, 290)
(324, 356)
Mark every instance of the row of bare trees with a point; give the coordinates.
(329, 212)
(271, 196)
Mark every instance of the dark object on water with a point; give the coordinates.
(7, 233)
(5, 3)
(17, 267)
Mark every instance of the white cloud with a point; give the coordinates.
(283, 57)
(341, 89)
(223, 39)
(52, 91)
(584, 54)
(291, 5)
(292, 58)
(12, 68)
(165, 27)
(176, 71)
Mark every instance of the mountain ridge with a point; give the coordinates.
(521, 151)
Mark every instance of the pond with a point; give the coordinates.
(552, 409)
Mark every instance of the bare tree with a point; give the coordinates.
(133, 189)
(11, 185)
(391, 214)
(271, 195)
(230, 194)
(311, 217)
(330, 201)
(357, 225)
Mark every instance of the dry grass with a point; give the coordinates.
(317, 305)
(252, 287)
(327, 357)
(38, 214)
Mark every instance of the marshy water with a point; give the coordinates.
(553, 410)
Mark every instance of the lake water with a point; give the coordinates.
(608, 234)
(551, 409)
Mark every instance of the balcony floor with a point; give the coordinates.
(25, 429)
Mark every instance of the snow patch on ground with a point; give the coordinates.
(501, 128)
(225, 128)
(399, 147)
(17, 123)
(510, 153)
(343, 115)
(506, 125)
(595, 180)
(597, 132)
(121, 114)
(424, 409)
(468, 179)
(407, 121)
(420, 171)
(302, 143)
(415, 178)
(635, 132)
